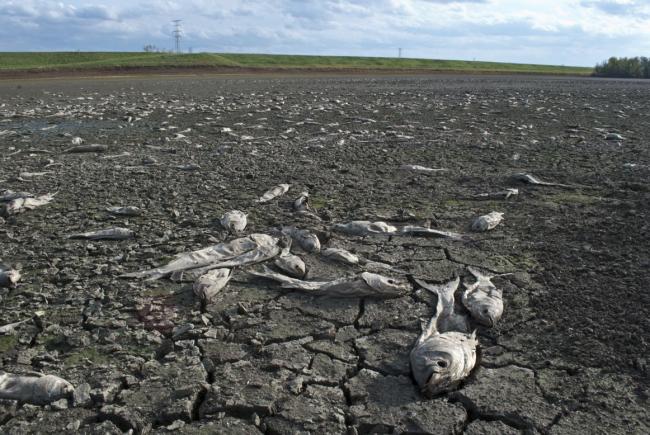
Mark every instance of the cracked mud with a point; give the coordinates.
(569, 355)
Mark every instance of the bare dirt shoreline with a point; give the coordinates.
(569, 356)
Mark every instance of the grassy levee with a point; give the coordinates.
(79, 61)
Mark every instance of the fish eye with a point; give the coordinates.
(442, 363)
(485, 311)
(390, 281)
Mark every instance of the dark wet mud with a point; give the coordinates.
(569, 355)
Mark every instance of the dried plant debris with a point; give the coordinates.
(365, 284)
(442, 359)
(36, 389)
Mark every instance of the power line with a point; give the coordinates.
(177, 34)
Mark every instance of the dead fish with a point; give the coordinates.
(20, 205)
(234, 221)
(340, 255)
(302, 203)
(278, 190)
(116, 233)
(305, 239)
(447, 320)
(93, 148)
(527, 178)
(411, 230)
(365, 284)
(116, 156)
(290, 263)
(614, 136)
(239, 252)
(10, 195)
(364, 228)
(487, 222)
(10, 328)
(208, 285)
(34, 174)
(418, 168)
(37, 389)
(505, 194)
(483, 300)
(129, 210)
(9, 276)
(77, 140)
(441, 359)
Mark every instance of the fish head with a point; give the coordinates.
(485, 304)
(440, 364)
(386, 286)
(55, 388)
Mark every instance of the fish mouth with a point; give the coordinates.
(437, 385)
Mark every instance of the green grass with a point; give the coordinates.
(61, 61)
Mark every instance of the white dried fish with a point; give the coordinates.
(305, 239)
(423, 169)
(364, 228)
(116, 156)
(527, 178)
(234, 221)
(505, 194)
(129, 210)
(34, 174)
(239, 252)
(37, 389)
(116, 233)
(487, 222)
(93, 148)
(9, 276)
(10, 328)
(188, 167)
(290, 263)
(20, 205)
(411, 230)
(273, 193)
(483, 300)
(442, 358)
(365, 284)
(77, 140)
(209, 284)
(340, 255)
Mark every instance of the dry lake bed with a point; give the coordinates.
(569, 355)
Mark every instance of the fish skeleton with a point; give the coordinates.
(340, 255)
(290, 263)
(487, 222)
(125, 211)
(365, 284)
(418, 168)
(411, 230)
(364, 228)
(234, 221)
(116, 233)
(307, 240)
(20, 205)
(273, 193)
(441, 359)
(483, 300)
(209, 284)
(239, 252)
(37, 390)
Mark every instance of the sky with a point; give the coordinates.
(560, 32)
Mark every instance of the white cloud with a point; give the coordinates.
(543, 31)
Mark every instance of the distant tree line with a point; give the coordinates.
(625, 67)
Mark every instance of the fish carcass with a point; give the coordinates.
(365, 284)
(209, 284)
(234, 221)
(442, 358)
(37, 389)
(483, 300)
(487, 222)
(274, 192)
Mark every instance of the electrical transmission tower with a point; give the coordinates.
(177, 35)
(399, 53)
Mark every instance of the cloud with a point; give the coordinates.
(579, 32)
